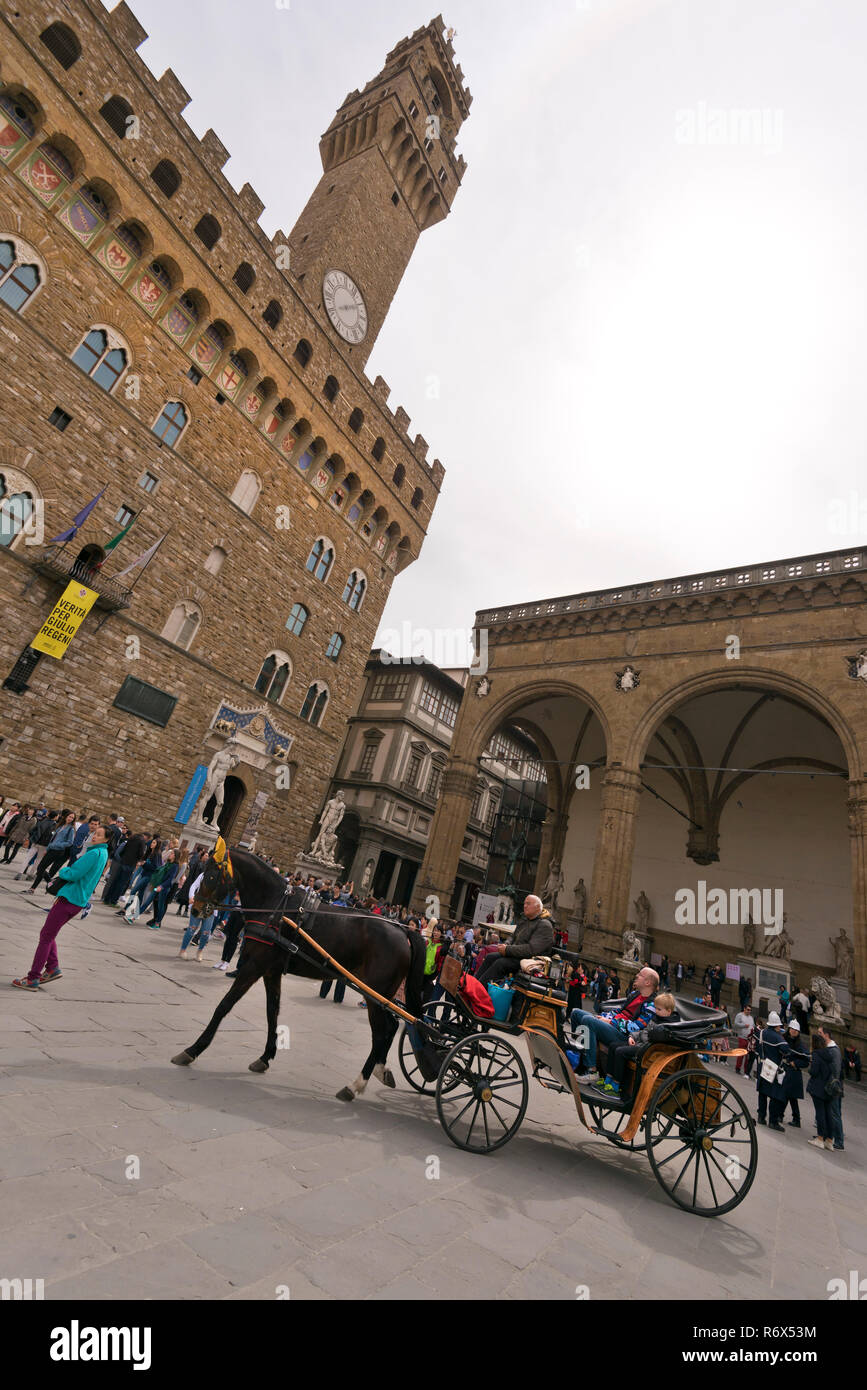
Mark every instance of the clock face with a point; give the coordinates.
(345, 305)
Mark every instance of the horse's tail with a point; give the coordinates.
(415, 974)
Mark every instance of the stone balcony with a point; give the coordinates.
(60, 563)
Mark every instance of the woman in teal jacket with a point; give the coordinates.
(79, 879)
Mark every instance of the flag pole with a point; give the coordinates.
(150, 557)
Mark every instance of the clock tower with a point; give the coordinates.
(391, 171)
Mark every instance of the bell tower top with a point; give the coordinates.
(391, 171)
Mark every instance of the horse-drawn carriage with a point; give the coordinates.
(693, 1124)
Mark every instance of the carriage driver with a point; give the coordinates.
(533, 936)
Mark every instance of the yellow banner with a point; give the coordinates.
(64, 620)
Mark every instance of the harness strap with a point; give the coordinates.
(353, 979)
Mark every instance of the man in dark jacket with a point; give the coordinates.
(533, 936)
(771, 1046)
(118, 882)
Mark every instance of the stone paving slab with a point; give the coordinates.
(252, 1186)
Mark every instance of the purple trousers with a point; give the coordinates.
(46, 950)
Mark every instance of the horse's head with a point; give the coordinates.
(218, 879)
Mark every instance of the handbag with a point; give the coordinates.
(770, 1072)
(54, 885)
(833, 1088)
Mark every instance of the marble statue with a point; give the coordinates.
(631, 945)
(367, 876)
(642, 908)
(553, 885)
(580, 900)
(844, 954)
(324, 847)
(826, 1008)
(222, 763)
(779, 946)
(749, 936)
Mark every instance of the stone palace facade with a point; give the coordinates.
(209, 383)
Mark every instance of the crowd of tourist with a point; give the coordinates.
(69, 853)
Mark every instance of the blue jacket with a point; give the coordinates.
(81, 877)
(63, 837)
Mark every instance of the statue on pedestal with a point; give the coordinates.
(779, 946)
(844, 955)
(631, 945)
(324, 847)
(749, 936)
(826, 1008)
(580, 900)
(222, 763)
(642, 908)
(553, 885)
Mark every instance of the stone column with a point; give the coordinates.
(440, 865)
(392, 887)
(608, 901)
(857, 809)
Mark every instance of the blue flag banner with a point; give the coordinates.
(76, 522)
(192, 794)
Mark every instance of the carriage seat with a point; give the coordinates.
(538, 987)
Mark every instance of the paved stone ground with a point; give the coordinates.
(249, 1183)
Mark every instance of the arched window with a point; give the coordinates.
(272, 314)
(61, 44)
(399, 475)
(208, 230)
(417, 498)
(353, 594)
(247, 490)
(321, 558)
(100, 358)
(314, 703)
(297, 618)
(356, 420)
(116, 113)
(244, 277)
(331, 388)
(274, 676)
(19, 275)
(214, 560)
(335, 644)
(166, 178)
(303, 352)
(183, 623)
(17, 505)
(378, 450)
(172, 423)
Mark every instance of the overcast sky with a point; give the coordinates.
(637, 343)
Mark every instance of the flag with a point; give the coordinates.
(77, 521)
(116, 540)
(142, 559)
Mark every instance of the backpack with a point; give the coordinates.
(473, 993)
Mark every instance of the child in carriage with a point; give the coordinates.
(662, 1010)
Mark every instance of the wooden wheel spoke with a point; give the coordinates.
(472, 1121)
(721, 1171)
(661, 1162)
(485, 1122)
(682, 1171)
(709, 1177)
(498, 1115)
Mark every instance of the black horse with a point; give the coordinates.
(381, 954)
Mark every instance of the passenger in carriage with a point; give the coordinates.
(661, 1011)
(613, 1027)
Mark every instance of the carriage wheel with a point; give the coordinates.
(707, 1159)
(611, 1123)
(482, 1093)
(449, 1020)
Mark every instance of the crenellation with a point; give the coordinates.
(401, 420)
(250, 203)
(213, 152)
(173, 94)
(124, 28)
(420, 448)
